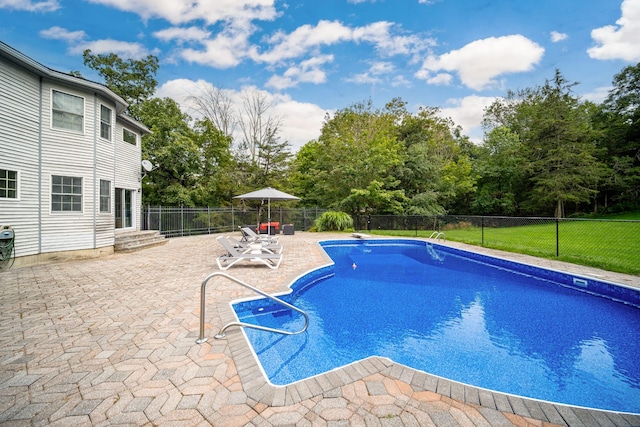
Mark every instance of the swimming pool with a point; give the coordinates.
(471, 318)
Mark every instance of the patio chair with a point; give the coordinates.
(254, 252)
(273, 247)
(249, 235)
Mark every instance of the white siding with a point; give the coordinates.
(68, 153)
(19, 124)
(105, 163)
(127, 168)
(30, 145)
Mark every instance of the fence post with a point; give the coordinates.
(557, 237)
(208, 220)
(482, 227)
(182, 220)
(160, 219)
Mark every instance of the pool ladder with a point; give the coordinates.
(437, 235)
(221, 334)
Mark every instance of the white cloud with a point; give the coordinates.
(480, 62)
(364, 79)
(182, 34)
(308, 71)
(308, 37)
(301, 121)
(382, 68)
(302, 39)
(78, 44)
(125, 50)
(443, 79)
(400, 80)
(59, 33)
(467, 112)
(30, 5)
(209, 11)
(227, 49)
(620, 41)
(374, 76)
(598, 94)
(558, 37)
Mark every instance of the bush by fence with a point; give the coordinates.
(184, 221)
(609, 244)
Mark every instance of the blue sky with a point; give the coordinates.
(309, 58)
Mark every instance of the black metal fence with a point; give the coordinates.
(184, 221)
(604, 243)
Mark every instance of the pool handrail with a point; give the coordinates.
(437, 235)
(221, 334)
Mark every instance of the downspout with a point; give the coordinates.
(40, 168)
(95, 172)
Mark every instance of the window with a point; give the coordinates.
(66, 194)
(128, 136)
(67, 111)
(105, 196)
(8, 184)
(105, 122)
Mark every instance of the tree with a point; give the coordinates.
(133, 80)
(558, 144)
(499, 168)
(357, 146)
(619, 120)
(257, 126)
(217, 106)
(171, 146)
(435, 170)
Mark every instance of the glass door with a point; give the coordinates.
(124, 208)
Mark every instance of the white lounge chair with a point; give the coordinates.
(273, 247)
(253, 253)
(250, 235)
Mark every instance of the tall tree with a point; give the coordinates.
(558, 142)
(134, 80)
(619, 120)
(171, 146)
(217, 106)
(357, 146)
(435, 170)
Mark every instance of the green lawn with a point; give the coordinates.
(610, 245)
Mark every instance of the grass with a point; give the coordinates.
(612, 245)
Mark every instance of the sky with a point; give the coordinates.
(310, 58)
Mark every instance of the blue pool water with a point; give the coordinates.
(453, 314)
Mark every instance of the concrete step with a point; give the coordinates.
(135, 240)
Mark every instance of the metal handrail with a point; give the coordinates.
(221, 333)
(436, 235)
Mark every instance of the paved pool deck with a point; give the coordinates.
(111, 341)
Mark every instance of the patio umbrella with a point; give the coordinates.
(269, 194)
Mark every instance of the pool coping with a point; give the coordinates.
(259, 389)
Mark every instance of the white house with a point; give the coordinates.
(69, 162)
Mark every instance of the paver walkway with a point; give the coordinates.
(111, 341)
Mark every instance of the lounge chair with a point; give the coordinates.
(248, 235)
(272, 247)
(253, 253)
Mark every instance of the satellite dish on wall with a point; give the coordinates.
(147, 165)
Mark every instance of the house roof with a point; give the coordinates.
(35, 67)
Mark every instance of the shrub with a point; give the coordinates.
(334, 221)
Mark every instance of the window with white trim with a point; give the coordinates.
(105, 196)
(66, 194)
(8, 184)
(105, 122)
(67, 111)
(128, 136)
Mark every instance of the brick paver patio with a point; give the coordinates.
(111, 341)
